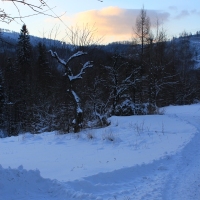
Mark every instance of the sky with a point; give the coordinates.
(110, 20)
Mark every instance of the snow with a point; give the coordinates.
(55, 55)
(77, 54)
(137, 157)
(79, 75)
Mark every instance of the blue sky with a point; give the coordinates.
(114, 19)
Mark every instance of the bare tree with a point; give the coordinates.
(143, 28)
(83, 36)
(96, 106)
(142, 32)
(122, 78)
(73, 78)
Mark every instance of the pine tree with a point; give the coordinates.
(24, 56)
(43, 70)
(10, 109)
(24, 47)
(25, 76)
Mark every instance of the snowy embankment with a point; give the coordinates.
(136, 157)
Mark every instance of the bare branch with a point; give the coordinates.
(82, 36)
(37, 8)
(82, 71)
(78, 54)
(4, 17)
(55, 55)
(28, 4)
(68, 69)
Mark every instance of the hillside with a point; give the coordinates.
(12, 37)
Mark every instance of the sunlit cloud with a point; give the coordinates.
(116, 23)
(112, 23)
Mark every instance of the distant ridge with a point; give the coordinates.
(12, 37)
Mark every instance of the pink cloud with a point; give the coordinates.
(114, 22)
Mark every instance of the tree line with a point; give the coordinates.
(68, 87)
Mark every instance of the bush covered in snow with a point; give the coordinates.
(127, 108)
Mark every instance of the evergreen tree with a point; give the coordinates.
(25, 76)
(24, 47)
(10, 109)
(43, 71)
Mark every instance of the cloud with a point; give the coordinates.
(174, 8)
(184, 13)
(195, 12)
(114, 22)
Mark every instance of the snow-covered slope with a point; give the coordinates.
(137, 157)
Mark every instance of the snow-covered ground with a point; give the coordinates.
(136, 157)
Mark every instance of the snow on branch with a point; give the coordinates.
(128, 80)
(78, 54)
(55, 55)
(69, 72)
(78, 101)
(82, 71)
(63, 62)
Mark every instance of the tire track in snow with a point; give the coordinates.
(138, 182)
(184, 180)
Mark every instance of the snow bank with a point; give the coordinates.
(22, 184)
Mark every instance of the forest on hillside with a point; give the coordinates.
(46, 86)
